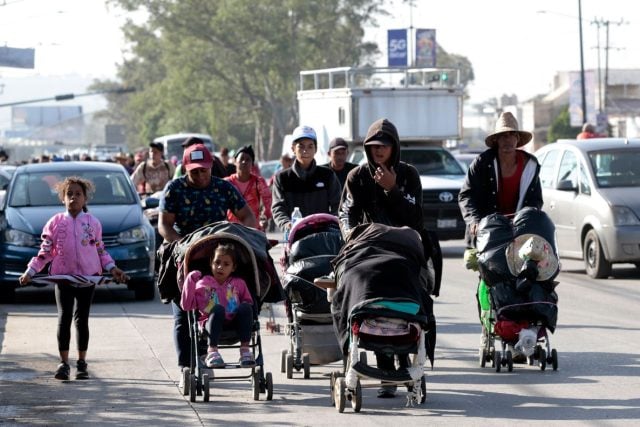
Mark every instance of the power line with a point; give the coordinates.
(67, 96)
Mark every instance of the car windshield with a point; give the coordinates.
(432, 162)
(39, 189)
(616, 168)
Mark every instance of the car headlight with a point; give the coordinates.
(622, 215)
(134, 235)
(20, 238)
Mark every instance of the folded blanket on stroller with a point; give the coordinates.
(381, 262)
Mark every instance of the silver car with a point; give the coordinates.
(591, 191)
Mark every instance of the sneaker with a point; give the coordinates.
(246, 359)
(214, 360)
(81, 370)
(63, 371)
(387, 391)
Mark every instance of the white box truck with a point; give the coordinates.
(425, 104)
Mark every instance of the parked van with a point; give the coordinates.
(173, 143)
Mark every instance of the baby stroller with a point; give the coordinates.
(256, 268)
(313, 242)
(518, 262)
(382, 304)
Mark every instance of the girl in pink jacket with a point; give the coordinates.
(72, 242)
(223, 300)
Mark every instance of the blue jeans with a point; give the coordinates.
(242, 322)
(181, 334)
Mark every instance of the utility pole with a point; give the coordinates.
(598, 23)
(606, 59)
(582, 83)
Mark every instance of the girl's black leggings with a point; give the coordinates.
(66, 297)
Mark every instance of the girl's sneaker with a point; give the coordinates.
(246, 359)
(63, 371)
(214, 360)
(81, 370)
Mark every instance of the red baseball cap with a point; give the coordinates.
(197, 156)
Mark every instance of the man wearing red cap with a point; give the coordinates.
(190, 202)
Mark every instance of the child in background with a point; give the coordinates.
(72, 242)
(222, 300)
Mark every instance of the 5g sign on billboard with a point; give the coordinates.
(397, 47)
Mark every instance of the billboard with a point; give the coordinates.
(16, 58)
(426, 48)
(397, 48)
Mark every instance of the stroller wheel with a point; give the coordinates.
(205, 387)
(289, 366)
(283, 361)
(497, 361)
(482, 357)
(306, 365)
(363, 357)
(193, 387)
(423, 389)
(269, 384)
(356, 399)
(340, 394)
(509, 361)
(255, 382)
(554, 359)
(542, 359)
(335, 375)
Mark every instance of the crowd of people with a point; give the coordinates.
(201, 189)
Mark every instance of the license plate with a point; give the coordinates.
(446, 223)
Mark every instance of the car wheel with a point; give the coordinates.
(145, 290)
(595, 263)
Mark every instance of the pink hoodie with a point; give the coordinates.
(73, 246)
(203, 292)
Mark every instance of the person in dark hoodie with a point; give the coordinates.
(306, 185)
(388, 191)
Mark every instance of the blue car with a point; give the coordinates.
(31, 199)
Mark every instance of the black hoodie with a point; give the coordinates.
(363, 201)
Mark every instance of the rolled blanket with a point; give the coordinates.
(74, 280)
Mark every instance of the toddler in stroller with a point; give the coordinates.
(236, 248)
(382, 304)
(222, 300)
(518, 303)
(313, 242)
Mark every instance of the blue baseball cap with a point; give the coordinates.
(304, 132)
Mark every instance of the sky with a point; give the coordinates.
(515, 46)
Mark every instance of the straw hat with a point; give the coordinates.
(507, 123)
(536, 248)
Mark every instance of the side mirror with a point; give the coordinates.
(150, 203)
(566, 185)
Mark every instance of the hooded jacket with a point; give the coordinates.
(363, 201)
(73, 246)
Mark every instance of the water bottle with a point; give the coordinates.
(295, 216)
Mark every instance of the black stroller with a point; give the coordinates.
(518, 263)
(256, 267)
(382, 304)
(313, 242)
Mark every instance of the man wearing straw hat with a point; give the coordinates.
(502, 180)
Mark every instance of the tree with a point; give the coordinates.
(561, 127)
(230, 67)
